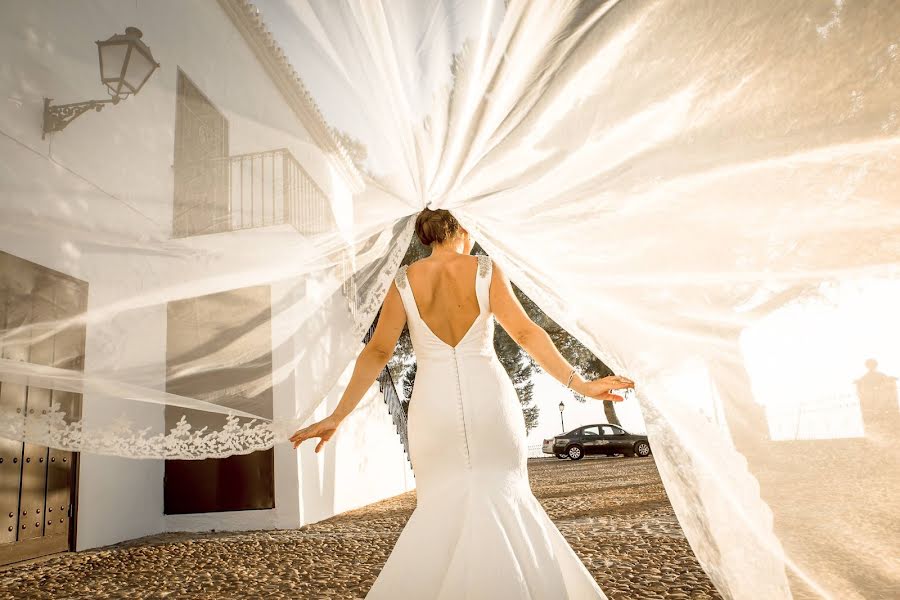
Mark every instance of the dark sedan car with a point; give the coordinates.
(597, 439)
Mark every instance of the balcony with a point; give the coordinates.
(271, 188)
(246, 191)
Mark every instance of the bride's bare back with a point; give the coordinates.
(444, 290)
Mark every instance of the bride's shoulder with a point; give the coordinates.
(400, 277)
(405, 268)
(482, 262)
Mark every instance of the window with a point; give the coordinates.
(202, 201)
(609, 430)
(589, 431)
(618, 430)
(240, 481)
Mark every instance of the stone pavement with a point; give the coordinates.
(613, 511)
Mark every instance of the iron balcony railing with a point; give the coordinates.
(244, 191)
(392, 398)
(271, 188)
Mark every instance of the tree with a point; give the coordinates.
(521, 368)
(356, 150)
(406, 383)
(572, 350)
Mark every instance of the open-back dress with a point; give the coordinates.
(477, 530)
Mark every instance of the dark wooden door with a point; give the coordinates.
(219, 349)
(37, 483)
(201, 163)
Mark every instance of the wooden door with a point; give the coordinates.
(37, 484)
(201, 163)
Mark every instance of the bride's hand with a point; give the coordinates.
(600, 389)
(323, 429)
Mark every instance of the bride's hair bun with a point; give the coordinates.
(436, 226)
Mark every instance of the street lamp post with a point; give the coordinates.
(562, 407)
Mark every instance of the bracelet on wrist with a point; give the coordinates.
(572, 374)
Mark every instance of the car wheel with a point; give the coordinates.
(561, 455)
(642, 449)
(575, 453)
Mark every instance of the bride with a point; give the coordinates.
(477, 530)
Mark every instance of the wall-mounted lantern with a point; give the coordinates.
(126, 64)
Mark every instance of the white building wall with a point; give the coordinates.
(110, 174)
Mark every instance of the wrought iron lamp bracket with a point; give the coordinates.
(56, 118)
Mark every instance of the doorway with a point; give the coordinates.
(37, 483)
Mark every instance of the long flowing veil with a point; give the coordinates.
(705, 194)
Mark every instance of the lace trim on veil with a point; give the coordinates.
(51, 428)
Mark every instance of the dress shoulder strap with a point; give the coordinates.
(400, 277)
(409, 302)
(483, 281)
(484, 266)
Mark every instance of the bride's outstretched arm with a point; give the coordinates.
(369, 363)
(534, 340)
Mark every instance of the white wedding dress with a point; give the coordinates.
(477, 530)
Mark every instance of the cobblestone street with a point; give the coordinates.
(613, 511)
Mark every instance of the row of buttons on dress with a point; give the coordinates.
(461, 410)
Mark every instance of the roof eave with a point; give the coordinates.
(246, 18)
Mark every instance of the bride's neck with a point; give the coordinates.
(448, 249)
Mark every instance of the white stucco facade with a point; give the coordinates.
(84, 179)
